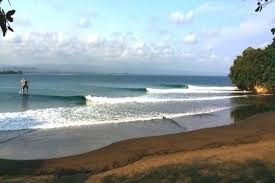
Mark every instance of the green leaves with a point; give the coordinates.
(259, 8)
(261, 4)
(5, 18)
(254, 67)
(9, 14)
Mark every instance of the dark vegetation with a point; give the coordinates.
(11, 72)
(255, 67)
(195, 172)
(5, 19)
(58, 178)
(18, 171)
(261, 4)
(18, 167)
(247, 172)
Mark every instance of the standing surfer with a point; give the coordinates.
(24, 86)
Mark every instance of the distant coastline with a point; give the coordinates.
(11, 72)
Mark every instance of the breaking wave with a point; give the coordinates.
(197, 89)
(145, 99)
(80, 116)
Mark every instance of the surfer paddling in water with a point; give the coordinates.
(24, 86)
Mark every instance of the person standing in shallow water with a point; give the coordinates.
(24, 86)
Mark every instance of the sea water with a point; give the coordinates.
(68, 100)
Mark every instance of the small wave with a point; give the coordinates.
(136, 89)
(121, 100)
(55, 97)
(119, 88)
(174, 86)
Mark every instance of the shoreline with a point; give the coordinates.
(62, 142)
(70, 141)
(257, 129)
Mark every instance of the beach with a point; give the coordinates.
(248, 140)
(111, 128)
(60, 142)
(137, 92)
(60, 101)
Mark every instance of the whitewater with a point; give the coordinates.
(59, 101)
(106, 110)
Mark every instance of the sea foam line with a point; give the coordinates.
(144, 99)
(190, 90)
(54, 118)
(231, 88)
(197, 89)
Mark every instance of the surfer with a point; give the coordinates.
(24, 86)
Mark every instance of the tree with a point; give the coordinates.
(5, 19)
(261, 4)
(255, 67)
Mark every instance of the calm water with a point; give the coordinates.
(74, 100)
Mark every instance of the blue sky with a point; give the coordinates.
(146, 37)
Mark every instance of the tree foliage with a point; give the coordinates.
(255, 67)
(261, 4)
(5, 19)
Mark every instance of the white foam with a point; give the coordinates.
(219, 88)
(147, 99)
(197, 89)
(77, 116)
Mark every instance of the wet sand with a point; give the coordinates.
(252, 138)
(61, 142)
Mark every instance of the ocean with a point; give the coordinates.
(69, 100)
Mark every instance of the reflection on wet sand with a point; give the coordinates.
(252, 106)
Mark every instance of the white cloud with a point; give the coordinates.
(178, 17)
(127, 47)
(93, 38)
(233, 39)
(216, 51)
(189, 15)
(122, 52)
(84, 23)
(190, 38)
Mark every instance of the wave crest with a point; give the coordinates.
(174, 86)
(196, 89)
(121, 100)
(77, 116)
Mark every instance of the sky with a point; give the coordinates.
(180, 37)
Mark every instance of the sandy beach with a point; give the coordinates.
(137, 91)
(237, 144)
(34, 144)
